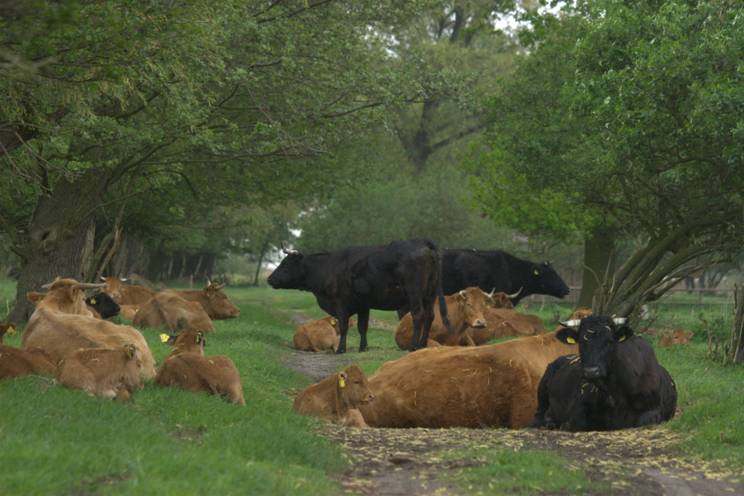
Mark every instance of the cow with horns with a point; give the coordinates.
(614, 382)
(357, 279)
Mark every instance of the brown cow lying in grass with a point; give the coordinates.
(337, 398)
(465, 309)
(505, 322)
(126, 294)
(215, 302)
(128, 312)
(318, 335)
(675, 338)
(61, 325)
(16, 362)
(109, 373)
(484, 386)
(167, 310)
(187, 368)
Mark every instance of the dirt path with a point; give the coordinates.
(427, 461)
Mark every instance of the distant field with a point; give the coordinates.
(57, 441)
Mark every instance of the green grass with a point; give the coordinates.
(53, 440)
(521, 472)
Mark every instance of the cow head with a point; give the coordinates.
(597, 337)
(473, 302)
(104, 304)
(64, 295)
(217, 304)
(543, 279)
(501, 300)
(186, 342)
(113, 286)
(676, 337)
(290, 274)
(353, 387)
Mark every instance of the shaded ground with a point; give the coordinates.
(428, 461)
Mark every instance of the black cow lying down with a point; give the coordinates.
(614, 382)
(357, 279)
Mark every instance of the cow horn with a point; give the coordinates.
(620, 320)
(103, 279)
(573, 323)
(512, 296)
(490, 295)
(49, 284)
(462, 293)
(219, 286)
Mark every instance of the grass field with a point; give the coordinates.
(57, 441)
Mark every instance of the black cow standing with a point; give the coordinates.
(497, 270)
(104, 305)
(357, 279)
(614, 382)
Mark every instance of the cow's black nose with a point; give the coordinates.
(591, 372)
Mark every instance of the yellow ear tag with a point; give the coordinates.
(622, 338)
(10, 331)
(570, 340)
(341, 382)
(164, 338)
(92, 301)
(536, 272)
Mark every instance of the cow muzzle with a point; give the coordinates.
(479, 324)
(592, 373)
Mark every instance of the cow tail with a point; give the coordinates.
(440, 297)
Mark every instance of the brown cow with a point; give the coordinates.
(484, 386)
(169, 311)
(215, 302)
(464, 309)
(187, 368)
(16, 362)
(61, 324)
(126, 294)
(675, 337)
(127, 312)
(505, 322)
(109, 373)
(317, 335)
(337, 398)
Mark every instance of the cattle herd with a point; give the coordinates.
(590, 373)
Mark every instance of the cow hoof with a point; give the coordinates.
(340, 351)
(362, 349)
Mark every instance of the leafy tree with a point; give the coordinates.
(625, 121)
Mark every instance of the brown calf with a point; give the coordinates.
(169, 311)
(675, 337)
(126, 294)
(337, 398)
(15, 362)
(105, 372)
(215, 302)
(187, 368)
(464, 310)
(317, 335)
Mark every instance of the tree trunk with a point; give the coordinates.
(59, 239)
(264, 249)
(598, 250)
(737, 332)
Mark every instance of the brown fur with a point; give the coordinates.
(15, 362)
(215, 302)
(505, 322)
(485, 386)
(109, 373)
(317, 335)
(64, 295)
(127, 294)
(328, 400)
(167, 310)
(187, 368)
(127, 312)
(464, 309)
(675, 338)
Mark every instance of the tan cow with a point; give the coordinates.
(16, 362)
(337, 398)
(317, 335)
(675, 338)
(464, 309)
(187, 368)
(167, 310)
(484, 386)
(505, 322)
(104, 372)
(127, 312)
(126, 294)
(61, 324)
(215, 302)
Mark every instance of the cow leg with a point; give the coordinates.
(402, 311)
(426, 321)
(649, 417)
(362, 323)
(343, 328)
(416, 341)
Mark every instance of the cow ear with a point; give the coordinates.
(200, 337)
(622, 332)
(567, 335)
